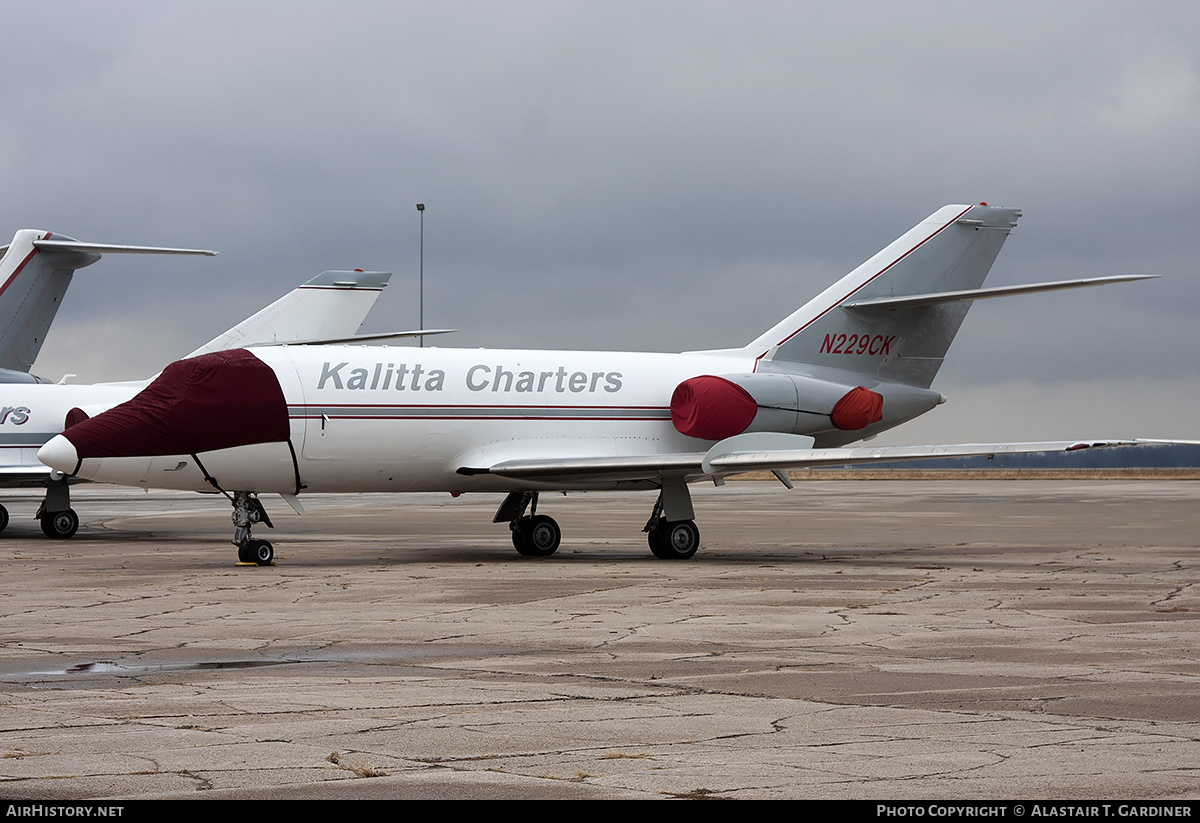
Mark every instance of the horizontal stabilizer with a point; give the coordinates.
(357, 338)
(983, 294)
(35, 270)
(107, 248)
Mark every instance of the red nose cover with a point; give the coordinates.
(711, 408)
(858, 408)
(214, 401)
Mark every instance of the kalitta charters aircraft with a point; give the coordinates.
(330, 305)
(856, 360)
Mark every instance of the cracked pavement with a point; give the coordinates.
(853, 639)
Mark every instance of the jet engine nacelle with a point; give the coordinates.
(713, 407)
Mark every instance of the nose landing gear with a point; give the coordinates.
(248, 510)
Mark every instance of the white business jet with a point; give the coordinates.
(331, 305)
(856, 360)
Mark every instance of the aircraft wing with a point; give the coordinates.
(758, 452)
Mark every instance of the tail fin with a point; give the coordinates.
(32, 284)
(35, 270)
(332, 304)
(951, 250)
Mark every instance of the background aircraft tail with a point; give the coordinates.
(32, 285)
(35, 270)
(332, 304)
(858, 324)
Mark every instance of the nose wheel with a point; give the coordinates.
(259, 552)
(248, 510)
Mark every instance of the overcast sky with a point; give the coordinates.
(611, 175)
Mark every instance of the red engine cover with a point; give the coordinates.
(858, 408)
(711, 408)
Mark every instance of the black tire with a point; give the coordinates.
(675, 541)
(537, 536)
(244, 554)
(3, 518)
(60, 525)
(654, 540)
(260, 552)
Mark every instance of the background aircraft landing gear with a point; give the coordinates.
(59, 521)
(533, 535)
(57, 525)
(248, 510)
(3, 518)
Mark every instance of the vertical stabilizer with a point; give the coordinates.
(32, 284)
(332, 304)
(951, 250)
(34, 274)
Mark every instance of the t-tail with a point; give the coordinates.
(859, 358)
(332, 304)
(35, 271)
(859, 325)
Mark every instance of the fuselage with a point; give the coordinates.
(371, 419)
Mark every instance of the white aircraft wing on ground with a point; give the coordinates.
(746, 453)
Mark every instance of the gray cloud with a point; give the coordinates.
(639, 176)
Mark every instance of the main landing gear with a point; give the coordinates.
(248, 510)
(671, 530)
(533, 534)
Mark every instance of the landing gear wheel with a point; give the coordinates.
(537, 536)
(59, 525)
(674, 541)
(259, 551)
(244, 554)
(654, 538)
(3, 518)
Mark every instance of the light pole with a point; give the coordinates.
(421, 281)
